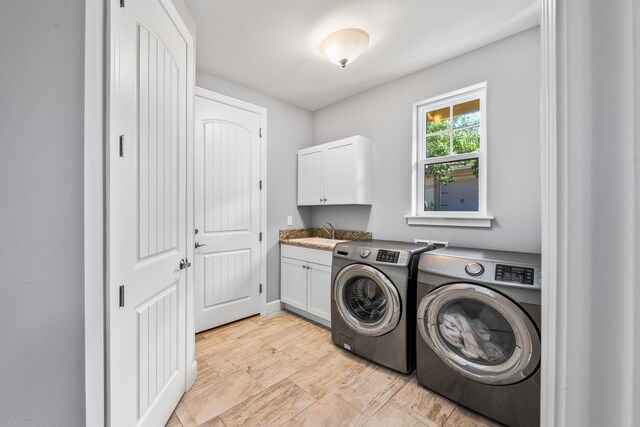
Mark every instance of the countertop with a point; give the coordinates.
(317, 238)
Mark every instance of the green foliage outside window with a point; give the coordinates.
(465, 140)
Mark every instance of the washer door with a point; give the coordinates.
(367, 300)
(479, 333)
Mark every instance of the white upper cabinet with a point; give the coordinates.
(336, 173)
(309, 172)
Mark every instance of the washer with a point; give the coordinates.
(373, 291)
(478, 334)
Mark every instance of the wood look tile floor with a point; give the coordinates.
(284, 370)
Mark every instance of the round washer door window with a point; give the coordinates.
(479, 333)
(367, 300)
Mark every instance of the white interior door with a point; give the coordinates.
(147, 215)
(227, 213)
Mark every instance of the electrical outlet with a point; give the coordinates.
(289, 220)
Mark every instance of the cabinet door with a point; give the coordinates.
(310, 177)
(293, 282)
(319, 292)
(340, 174)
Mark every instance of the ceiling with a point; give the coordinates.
(272, 46)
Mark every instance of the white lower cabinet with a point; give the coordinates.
(305, 282)
(319, 290)
(293, 284)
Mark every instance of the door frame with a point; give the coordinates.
(262, 112)
(567, 303)
(97, 46)
(99, 132)
(94, 215)
(553, 323)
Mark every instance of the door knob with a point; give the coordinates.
(184, 263)
(199, 245)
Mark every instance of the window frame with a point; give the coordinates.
(449, 218)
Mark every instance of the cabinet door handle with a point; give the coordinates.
(320, 198)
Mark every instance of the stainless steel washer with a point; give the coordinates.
(478, 335)
(373, 300)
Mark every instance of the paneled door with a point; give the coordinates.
(227, 183)
(147, 214)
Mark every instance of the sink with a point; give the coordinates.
(318, 241)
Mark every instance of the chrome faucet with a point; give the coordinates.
(331, 233)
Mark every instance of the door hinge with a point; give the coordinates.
(260, 132)
(260, 236)
(121, 3)
(121, 295)
(260, 287)
(260, 184)
(121, 145)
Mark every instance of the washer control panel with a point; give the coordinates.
(373, 255)
(388, 256)
(391, 257)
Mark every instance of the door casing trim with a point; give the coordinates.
(553, 322)
(262, 112)
(94, 214)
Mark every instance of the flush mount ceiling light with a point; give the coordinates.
(344, 46)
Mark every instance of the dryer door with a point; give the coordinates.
(367, 300)
(479, 333)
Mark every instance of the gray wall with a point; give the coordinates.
(41, 213)
(288, 130)
(511, 68)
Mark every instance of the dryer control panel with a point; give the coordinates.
(514, 274)
(511, 269)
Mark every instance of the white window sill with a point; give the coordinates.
(482, 221)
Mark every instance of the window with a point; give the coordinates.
(450, 160)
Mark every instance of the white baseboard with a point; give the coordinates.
(191, 376)
(273, 307)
